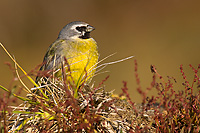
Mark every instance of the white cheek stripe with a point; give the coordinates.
(75, 37)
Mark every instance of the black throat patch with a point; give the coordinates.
(86, 35)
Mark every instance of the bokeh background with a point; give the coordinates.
(162, 33)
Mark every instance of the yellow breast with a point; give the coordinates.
(82, 58)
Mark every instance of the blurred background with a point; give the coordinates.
(163, 33)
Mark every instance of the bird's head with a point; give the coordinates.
(76, 29)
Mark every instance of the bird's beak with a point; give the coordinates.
(90, 28)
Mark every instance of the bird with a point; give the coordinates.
(76, 51)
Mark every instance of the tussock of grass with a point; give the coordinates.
(94, 110)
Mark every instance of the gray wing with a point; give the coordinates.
(54, 56)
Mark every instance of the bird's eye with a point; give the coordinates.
(81, 29)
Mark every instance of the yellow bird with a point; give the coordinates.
(74, 44)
